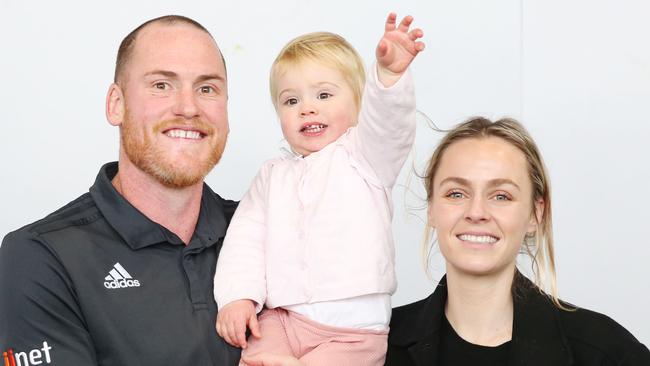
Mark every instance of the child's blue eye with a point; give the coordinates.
(324, 95)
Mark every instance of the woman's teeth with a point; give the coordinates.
(488, 239)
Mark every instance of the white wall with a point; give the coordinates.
(576, 73)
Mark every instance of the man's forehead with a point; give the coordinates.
(153, 34)
(177, 44)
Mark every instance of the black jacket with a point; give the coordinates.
(542, 334)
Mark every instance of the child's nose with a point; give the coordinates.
(307, 110)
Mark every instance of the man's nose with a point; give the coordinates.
(186, 104)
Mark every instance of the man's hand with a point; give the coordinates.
(233, 319)
(396, 49)
(270, 359)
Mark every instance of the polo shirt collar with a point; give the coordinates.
(537, 335)
(137, 230)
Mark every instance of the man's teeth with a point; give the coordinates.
(183, 134)
(478, 238)
(314, 128)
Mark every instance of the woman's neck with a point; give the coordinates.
(480, 308)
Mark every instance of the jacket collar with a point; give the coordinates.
(537, 336)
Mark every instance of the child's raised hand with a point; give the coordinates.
(397, 48)
(233, 319)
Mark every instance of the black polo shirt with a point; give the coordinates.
(98, 283)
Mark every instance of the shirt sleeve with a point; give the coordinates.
(386, 129)
(40, 316)
(241, 267)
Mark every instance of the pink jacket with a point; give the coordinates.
(319, 228)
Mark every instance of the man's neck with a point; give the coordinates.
(177, 209)
(480, 308)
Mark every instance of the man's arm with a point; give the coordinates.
(40, 319)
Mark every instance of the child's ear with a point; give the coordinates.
(115, 108)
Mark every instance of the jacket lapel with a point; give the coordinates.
(537, 335)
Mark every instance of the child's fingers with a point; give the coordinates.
(405, 23)
(415, 34)
(240, 335)
(390, 22)
(219, 331)
(229, 334)
(254, 326)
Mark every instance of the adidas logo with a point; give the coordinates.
(118, 277)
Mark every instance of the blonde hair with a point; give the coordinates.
(324, 48)
(540, 246)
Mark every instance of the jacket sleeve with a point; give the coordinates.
(41, 320)
(241, 267)
(386, 129)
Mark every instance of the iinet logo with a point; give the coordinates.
(37, 356)
(118, 277)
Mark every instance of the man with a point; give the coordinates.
(123, 274)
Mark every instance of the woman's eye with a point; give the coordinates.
(502, 197)
(324, 95)
(160, 86)
(455, 195)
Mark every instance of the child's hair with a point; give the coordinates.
(324, 48)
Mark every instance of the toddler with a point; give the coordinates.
(311, 240)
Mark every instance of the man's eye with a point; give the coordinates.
(207, 89)
(324, 95)
(160, 86)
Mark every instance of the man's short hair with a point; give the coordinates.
(128, 43)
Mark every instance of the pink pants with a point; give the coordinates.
(288, 333)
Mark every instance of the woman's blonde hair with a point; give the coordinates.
(540, 246)
(324, 48)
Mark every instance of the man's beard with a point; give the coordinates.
(153, 160)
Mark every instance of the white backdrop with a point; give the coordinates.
(576, 73)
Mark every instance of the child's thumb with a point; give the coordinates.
(254, 326)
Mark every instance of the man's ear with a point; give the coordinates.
(537, 217)
(115, 108)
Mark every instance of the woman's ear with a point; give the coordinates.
(537, 217)
(430, 220)
(115, 108)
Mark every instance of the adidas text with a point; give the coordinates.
(121, 284)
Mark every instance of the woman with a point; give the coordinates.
(488, 198)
